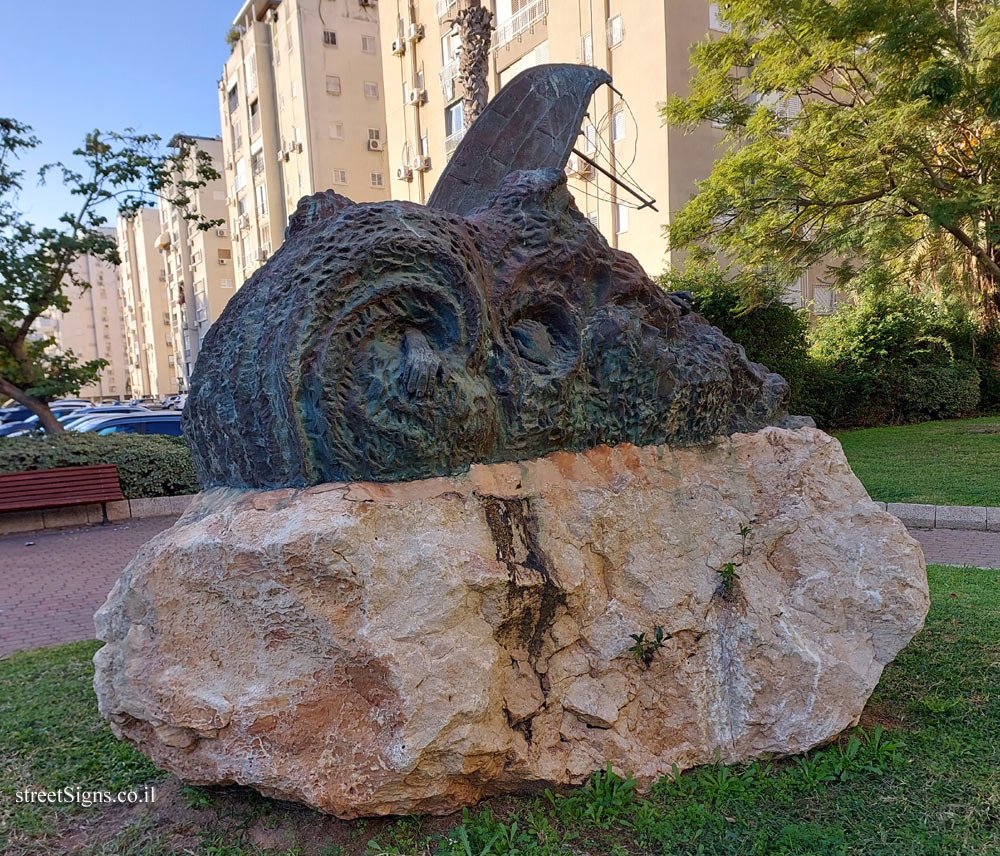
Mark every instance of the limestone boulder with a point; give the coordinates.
(372, 648)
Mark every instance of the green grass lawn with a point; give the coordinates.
(929, 783)
(939, 463)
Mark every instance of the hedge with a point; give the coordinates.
(148, 464)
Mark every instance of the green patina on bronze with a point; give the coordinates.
(392, 341)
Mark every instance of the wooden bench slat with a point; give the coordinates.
(61, 486)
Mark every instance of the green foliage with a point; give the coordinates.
(603, 800)
(645, 649)
(728, 576)
(148, 464)
(37, 270)
(752, 314)
(888, 174)
(894, 357)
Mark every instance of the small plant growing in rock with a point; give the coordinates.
(645, 649)
(744, 534)
(729, 576)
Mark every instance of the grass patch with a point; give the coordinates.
(921, 776)
(938, 463)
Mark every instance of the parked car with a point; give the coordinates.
(19, 413)
(150, 422)
(86, 412)
(32, 422)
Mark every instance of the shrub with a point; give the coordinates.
(148, 464)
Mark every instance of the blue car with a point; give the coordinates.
(151, 422)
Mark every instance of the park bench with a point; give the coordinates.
(60, 487)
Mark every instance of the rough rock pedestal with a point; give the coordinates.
(412, 647)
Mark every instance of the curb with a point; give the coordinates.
(917, 516)
(13, 523)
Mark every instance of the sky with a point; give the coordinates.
(67, 68)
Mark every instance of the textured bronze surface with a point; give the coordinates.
(391, 341)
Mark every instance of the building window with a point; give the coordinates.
(371, 89)
(233, 98)
(261, 194)
(295, 89)
(225, 254)
(377, 180)
(241, 206)
(329, 38)
(225, 283)
(454, 119)
(337, 131)
(715, 21)
(592, 216)
(257, 162)
(333, 84)
(590, 138)
(340, 176)
(618, 125)
(424, 146)
(616, 31)
(368, 44)
(250, 70)
(374, 134)
(587, 49)
(237, 136)
(621, 218)
(241, 174)
(254, 118)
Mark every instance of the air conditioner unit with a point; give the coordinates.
(404, 173)
(272, 15)
(230, 165)
(398, 47)
(375, 145)
(244, 221)
(415, 33)
(416, 96)
(282, 155)
(577, 167)
(422, 163)
(222, 262)
(298, 147)
(261, 255)
(221, 232)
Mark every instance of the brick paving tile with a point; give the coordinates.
(50, 591)
(959, 547)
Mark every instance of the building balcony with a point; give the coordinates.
(451, 142)
(448, 75)
(443, 7)
(528, 17)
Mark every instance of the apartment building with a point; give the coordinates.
(302, 107)
(148, 328)
(92, 327)
(197, 263)
(644, 45)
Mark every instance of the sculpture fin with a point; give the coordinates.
(532, 123)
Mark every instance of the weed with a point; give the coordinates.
(602, 800)
(196, 798)
(744, 534)
(645, 649)
(729, 576)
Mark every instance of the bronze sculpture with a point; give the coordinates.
(391, 341)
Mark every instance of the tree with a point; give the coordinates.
(37, 263)
(475, 28)
(861, 133)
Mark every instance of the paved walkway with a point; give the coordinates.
(49, 591)
(959, 547)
